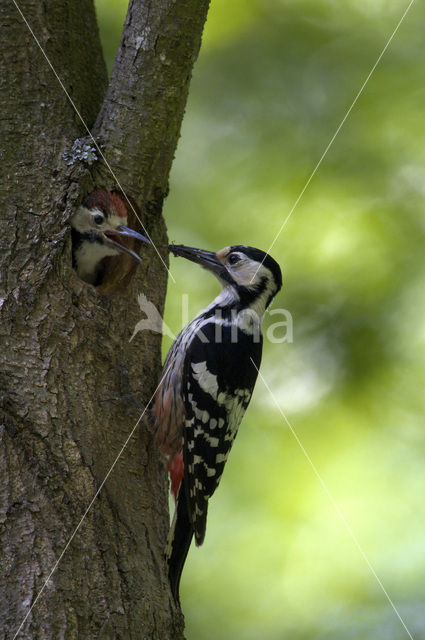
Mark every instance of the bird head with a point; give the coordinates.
(251, 275)
(99, 231)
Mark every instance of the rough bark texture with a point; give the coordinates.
(65, 348)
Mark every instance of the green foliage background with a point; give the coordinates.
(273, 81)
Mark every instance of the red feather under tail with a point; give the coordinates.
(175, 469)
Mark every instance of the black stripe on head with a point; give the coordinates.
(264, 258)
(248, 294)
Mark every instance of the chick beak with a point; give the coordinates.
(113, 237)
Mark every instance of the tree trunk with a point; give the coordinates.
(72, 386)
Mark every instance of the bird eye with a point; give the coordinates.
(98, 219)
(233, 258)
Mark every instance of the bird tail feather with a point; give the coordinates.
(179, 540)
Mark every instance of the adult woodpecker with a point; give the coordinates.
(207, 382)
(98, 232)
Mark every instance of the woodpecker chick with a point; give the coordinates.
(207, 382)
(98, 232)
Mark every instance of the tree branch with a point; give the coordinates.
(141, 116)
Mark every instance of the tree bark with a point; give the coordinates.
(65, 352)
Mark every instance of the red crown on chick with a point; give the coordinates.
(110, 202)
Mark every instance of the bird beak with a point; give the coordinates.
(126, 231)
(207, 259)
(114, 236)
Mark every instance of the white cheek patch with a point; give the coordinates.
(249, 272)
(81, 221)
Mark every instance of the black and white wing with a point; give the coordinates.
(218, 381)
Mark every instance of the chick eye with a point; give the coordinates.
(233, 258)
(98, 219)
